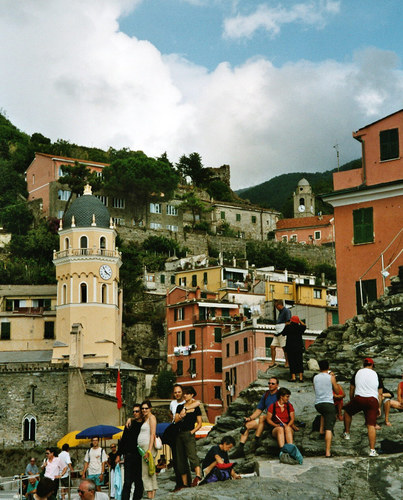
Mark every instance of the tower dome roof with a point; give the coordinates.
(87, 211)
(303, 182)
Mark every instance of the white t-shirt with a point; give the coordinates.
(54, 468)
(65, 458)
(173, 405)
(366, 383)
(95, 457)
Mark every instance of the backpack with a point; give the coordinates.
(221, 472)
(290, 454)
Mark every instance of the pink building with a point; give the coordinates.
(368, 216)
(315, 230)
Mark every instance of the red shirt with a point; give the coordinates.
(281, 414)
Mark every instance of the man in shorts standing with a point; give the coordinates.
(366, 396)
(283, 318)
(257, 419)
(94, 461)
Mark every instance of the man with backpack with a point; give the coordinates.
(257, 420)
(94, 461)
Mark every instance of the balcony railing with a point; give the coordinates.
(77, 252)
(218, 319)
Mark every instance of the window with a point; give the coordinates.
(217, 335)
(63, 194)
(245, 344)
(171, 210)
(294, 238)
(317, 235)
(368, 288)
(225, 313)
(49, 330)
(238, 217)
(5, 330)
(192, 365)
(286, 289)
(194, 279)
(253, 219)
(162, 279)
(236, 347)
(29, 428)
(64, 294)
(155, 208)
(173, 279)
(182, 281)
(118, 203)
(218, 365)
(179, 368)
(267, 344)
(119, 221)
(389, 144)
(192, 337)
(179, 314)
(317, 293)
(284, 238)
(60, 214)
(172, 228)
(222, 215)
(241, 235)
(102, 243)
(205, 279)
(272, 288)
(83, 293)
(104, 294)
(217, 392)
(227, 350)
(103, 199)
(155, 225)
(180, 338)
(363, 225)
(83, 242)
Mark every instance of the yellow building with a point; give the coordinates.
(219, 279)
(89, 301)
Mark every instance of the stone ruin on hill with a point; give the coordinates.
(376, 333)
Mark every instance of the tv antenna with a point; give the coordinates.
(336, 147)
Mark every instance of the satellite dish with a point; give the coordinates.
(301, 208)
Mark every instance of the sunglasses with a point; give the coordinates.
(136, 411)
(272, 383)
(81, 492)
(145, 408)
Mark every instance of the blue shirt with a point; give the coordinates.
(266, 400)
(284, 315)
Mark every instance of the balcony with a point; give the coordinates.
(86, 252)
(221, 320)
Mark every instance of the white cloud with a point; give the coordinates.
(271, 19)
(69, 73)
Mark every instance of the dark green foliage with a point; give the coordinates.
(37, 244)
(164, 246)
(165, 382)
(263, 254)
(192, 166)
(224, 229)
(328, 270)
(77, 176)
(219, 191)
(16, 218)
(194, 205)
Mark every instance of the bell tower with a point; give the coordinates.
(304, 200)
(88, 294)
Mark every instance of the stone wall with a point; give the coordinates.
(313, 254)
(37, 391)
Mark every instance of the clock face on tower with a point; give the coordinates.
(105, 272)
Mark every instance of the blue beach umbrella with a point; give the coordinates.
(102, 431)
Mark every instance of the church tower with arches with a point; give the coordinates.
(304, 200)
(89, 300)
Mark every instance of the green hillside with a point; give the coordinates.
(277, 192)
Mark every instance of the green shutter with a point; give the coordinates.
(5, 331)
(363, 225)
(217, 334)
(389, 144)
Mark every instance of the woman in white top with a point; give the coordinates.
(146, 440)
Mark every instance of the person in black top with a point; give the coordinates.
(218, 454)
(112, 464)
(128, 448)
(295, 347)
(187, 417)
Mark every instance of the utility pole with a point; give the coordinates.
(336, 147)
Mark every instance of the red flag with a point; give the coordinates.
(119, 391)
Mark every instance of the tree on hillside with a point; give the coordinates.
(140, 180)
(76, 177)
(219, 191)
(194, 205)
(192, 166)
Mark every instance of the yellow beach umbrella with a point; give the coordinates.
(71, 440)
(118, 435)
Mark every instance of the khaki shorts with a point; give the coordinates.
(278, 341)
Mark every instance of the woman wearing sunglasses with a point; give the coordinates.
(146, 441)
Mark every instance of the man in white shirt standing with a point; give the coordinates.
(366, 396)
(94, 461)
(64, 455)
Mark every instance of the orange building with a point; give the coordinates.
(42, 176)
(315, 230)
(368, 218)
(195, 323)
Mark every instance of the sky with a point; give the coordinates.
(267, 87)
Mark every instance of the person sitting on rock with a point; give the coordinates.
(257, 420)
(218, 454)
(338, 399)
(280, 416)
(392, 403)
